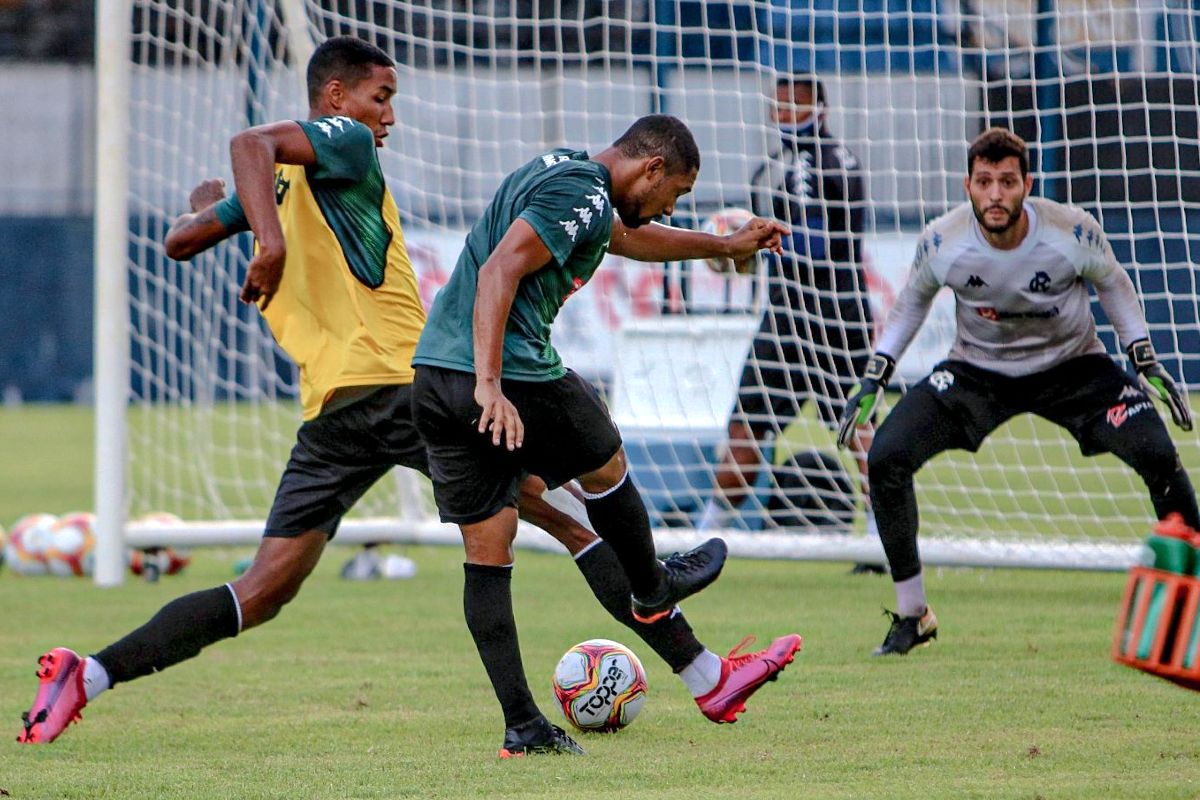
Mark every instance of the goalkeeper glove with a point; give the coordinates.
(862, 403)
(1157, 382)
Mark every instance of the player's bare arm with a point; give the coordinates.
(254, 153)
(521, 252)
(658, 242)
(193, 233)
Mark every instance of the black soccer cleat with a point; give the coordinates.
(684, 574)
(907, 633)
(538, 736)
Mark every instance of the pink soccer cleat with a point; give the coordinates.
(59, 700)
(743, 675)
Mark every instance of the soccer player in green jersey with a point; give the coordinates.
(493, 400)
(346, 309)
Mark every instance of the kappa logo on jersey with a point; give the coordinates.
(1118, 414)
(327, 124)
(550, 159)
(281, 187)
(585, 214)
(799, 182)
(941, 380)
(1040, 282)
(571, 227)
(975, 282)
(1130, 391)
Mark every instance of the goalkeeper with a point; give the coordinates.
(1025, 343)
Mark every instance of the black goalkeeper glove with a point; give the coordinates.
(862, 403)
(1157, 382)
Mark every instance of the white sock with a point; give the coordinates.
(910, 596)
(716, 516)
(701, 676)
(95, 678)
(872, 525)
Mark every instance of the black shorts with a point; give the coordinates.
(958, 405)
(798, 356)
(568, 433)
(339, 455)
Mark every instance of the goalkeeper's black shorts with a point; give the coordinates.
(568, 433)
(958, 405)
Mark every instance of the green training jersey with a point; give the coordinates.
(565, 198)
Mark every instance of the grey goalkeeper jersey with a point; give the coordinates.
(1017, 311)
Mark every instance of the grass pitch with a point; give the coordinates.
(374, 690)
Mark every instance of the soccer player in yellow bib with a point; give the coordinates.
(346, 309)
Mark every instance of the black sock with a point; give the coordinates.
(180, 630)
(487, 603)
(671, 637)
(621, 520)
(1173, 493)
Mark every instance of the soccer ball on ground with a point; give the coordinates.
(600, 685)
(28, 542)
(154, 562)
(723, 223)
(72, 549)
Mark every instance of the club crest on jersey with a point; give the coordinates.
(941, 380)
(281, 187)
(1040, 282)
(576, 284)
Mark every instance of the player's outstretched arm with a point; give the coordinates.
(1158, 383)
(193, 233)
(656, 242)
(865, 397)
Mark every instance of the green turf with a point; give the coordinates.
(374, 690)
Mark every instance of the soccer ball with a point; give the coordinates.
(27, 544)
(156, 561)
(723, 223)
(600, 685)
(72, 549)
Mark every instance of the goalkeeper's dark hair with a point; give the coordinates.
(661, 135)
(346, 58)
(816, 89)
(996, 144)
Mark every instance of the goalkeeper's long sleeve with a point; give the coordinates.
(906, 317)
(1120, 302)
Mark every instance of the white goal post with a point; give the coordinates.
(196, 406)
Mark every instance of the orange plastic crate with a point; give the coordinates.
(1157, 627)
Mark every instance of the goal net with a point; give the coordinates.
(1105, 92)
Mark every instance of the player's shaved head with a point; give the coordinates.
(996, 144)
(661, 135)
(345, 58)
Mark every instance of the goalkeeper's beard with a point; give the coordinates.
(1014, 214)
